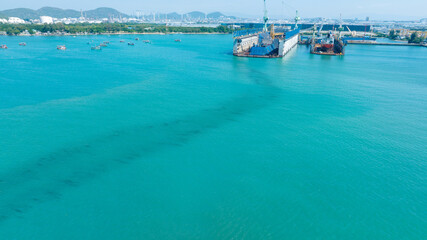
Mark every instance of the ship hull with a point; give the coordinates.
(335, 49)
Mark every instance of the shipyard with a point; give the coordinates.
(275, 41)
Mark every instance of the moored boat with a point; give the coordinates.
(96, 48)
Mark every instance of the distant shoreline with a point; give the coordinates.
(105, 29)
(103, 34)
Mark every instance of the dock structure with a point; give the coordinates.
(270, 44)
(387, 44)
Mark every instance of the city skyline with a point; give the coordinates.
(378, 10)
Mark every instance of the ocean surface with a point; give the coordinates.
(184, 141)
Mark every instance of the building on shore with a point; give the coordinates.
(15, 20)
(46, 20)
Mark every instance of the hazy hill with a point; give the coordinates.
(103, 13)
(26, 13)
(174, 16)
(215, 15)
(57, 12)
(191, 15)
(196, 15)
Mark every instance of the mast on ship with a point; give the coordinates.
(265, 29)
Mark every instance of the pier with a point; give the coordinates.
(387, 44)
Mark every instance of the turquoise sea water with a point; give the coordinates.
(184, 141)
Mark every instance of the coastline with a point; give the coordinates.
(116, 33)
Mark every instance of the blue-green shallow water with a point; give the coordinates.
(184, 141)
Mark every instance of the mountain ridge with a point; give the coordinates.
(26, 13)
(98, 13)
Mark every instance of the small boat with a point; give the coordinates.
(96, 48)
(136, 39)
(147, 41)
(177, 40)
(131, 44)
(3, 47)
(122, 41)
(107, 43)
(22, 44)
(102, 45)
(62, 47)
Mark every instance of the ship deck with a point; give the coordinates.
(328, 53)
(256, 56)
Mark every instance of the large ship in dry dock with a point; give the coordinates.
(268, 42)
(329, 45)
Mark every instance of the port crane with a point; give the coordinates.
(265, 29)
(319, 32)
(340, 28)
(297, 18)
(352, 33)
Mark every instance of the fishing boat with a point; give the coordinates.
(96, 48)
(131, 44)
(3, 47)
(61, 47)
(22, 44)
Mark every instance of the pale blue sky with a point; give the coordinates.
(376, 9)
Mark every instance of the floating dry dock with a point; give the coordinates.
(256, 43)
(266, 42)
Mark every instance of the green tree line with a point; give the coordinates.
(16, 29)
